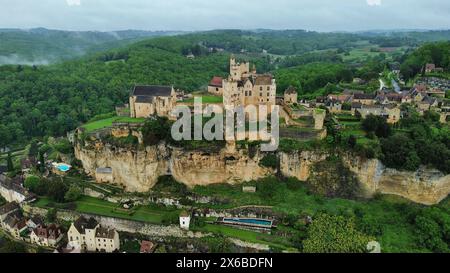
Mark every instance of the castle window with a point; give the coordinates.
(246, 93)
(268, 88)
(250, 93)
(260, 94)
(260, 89)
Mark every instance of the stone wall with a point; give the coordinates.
(122, 225)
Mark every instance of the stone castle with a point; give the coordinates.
(244, 86)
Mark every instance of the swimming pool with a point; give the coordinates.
(249, 221)
(63, 167)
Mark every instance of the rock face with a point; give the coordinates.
(138, 169)
(426, 186)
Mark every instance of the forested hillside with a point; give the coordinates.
(44, 46)
(435, 53)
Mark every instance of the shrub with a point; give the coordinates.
(270, 161)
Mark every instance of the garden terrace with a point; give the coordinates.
(110, 122)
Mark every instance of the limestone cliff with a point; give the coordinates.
(426, 186)
(139, 169)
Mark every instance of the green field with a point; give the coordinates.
(245, 235)
(104, 123)
(206, 99)
(150, 214)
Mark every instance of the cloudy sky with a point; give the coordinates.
(320, 15)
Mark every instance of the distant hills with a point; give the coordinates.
(44, 46)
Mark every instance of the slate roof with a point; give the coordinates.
(8, 208)
(152, 90)
(144, 99)
(105, 233)
(82, 223)
(103, 170)
(290, 90)
(358, 96)
(263, 80)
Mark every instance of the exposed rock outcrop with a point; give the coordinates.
(139, 169)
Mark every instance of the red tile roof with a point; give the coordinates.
(216, 81)
(147, 247)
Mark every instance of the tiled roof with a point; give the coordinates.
(147, 247)
(216, 81)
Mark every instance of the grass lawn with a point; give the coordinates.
(207, 99)
(150, 214)
(244, 235)
(104, 123)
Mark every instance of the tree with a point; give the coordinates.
(352, 141)
(32, 183)
(73, 194)
(9, 162)
(34, 149)
(377, 125)
(51, 215)
(335, 234)
(399, 152)
(56, 190)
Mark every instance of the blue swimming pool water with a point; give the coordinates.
(249, 221)
(63, 167)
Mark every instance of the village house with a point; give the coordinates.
(185, 219)
(15, 224)
(431, 68)
(290, 95)
(244, 87)
(365, 99)
(48, 236)
(216, 86)
(148, 100)
(391, 112)
(12, 190)
(88, 235)
(7, 209)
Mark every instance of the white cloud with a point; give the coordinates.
(374, 2)
(73, 2)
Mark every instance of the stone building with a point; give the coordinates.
(147, 100)
(244, 87)
(185, 219)
(88, 235)
(12, 190)
(104, 175)
(216, 86)
(46, 235)
(290, 95)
